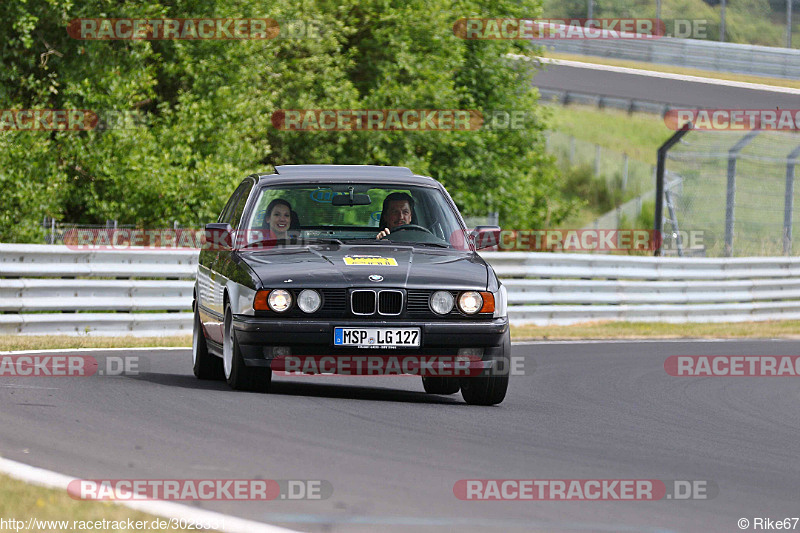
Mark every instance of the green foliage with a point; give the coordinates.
(204, 108)
(597, 193)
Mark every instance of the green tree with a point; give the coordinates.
(204, 108)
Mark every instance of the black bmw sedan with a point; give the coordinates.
(349, 269)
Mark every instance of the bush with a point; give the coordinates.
(206, 108)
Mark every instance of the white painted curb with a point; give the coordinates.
(70, 350)
(54, 480)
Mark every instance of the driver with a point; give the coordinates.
(398, 210)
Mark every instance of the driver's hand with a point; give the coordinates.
(383, 233)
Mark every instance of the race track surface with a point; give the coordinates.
(392, 453)
(668, 91)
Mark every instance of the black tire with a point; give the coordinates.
(490, 389)
(437, 385)
(204, 364)
(239, 376)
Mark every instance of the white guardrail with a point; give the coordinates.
(55, 290)
(694, 53)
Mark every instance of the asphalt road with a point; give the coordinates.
(393, 454)
(668, 91)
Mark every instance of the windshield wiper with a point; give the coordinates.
(319, 240)
(435, 244)
(261, 242)
(388, 242)
(282, 242)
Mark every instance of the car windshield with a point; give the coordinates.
(339, 213)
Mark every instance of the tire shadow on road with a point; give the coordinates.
(301, 388)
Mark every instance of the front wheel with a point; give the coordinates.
(237, 374)
(490, 388)
(204, 365)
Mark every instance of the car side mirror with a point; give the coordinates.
(485, 237)
(218, 236)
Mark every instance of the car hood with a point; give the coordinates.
(402, 266)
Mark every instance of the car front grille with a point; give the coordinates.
(368, 302)
(390, 302)
(334, 302)
(362, 302)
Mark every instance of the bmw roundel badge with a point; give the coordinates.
(375, 277)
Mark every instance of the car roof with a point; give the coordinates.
(346, 173)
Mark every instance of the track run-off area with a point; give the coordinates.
(591, 410)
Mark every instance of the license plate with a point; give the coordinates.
(377, 337)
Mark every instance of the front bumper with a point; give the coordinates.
(257, 336)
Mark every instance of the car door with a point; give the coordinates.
(220, 269)
(210, 286)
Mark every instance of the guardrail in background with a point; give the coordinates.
(154, 303)
(603, 101)
(543, 288)
(573, 288)
(694, 53)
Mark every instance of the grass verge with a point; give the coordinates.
(47, 342)
(637, 134)
(730, 76)
(22, 501)
(788, 329)
(590, 330)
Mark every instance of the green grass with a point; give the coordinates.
(45, 342)
(23, 501)
(594, 330)
(637, 134)
(659, 330)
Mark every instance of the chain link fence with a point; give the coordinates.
(629, 184)
(737, 189)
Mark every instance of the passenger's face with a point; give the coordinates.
(398, 213)
(279, 219)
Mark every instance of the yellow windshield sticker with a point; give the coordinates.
(370, 261)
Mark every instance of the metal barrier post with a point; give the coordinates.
(730, 196)
(624, 171)
(660, 166)
(788, 203)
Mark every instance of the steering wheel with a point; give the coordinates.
(411, 227)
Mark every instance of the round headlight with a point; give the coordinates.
(309, 300)
(470, 302)
(279, 300)
(442, 302)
